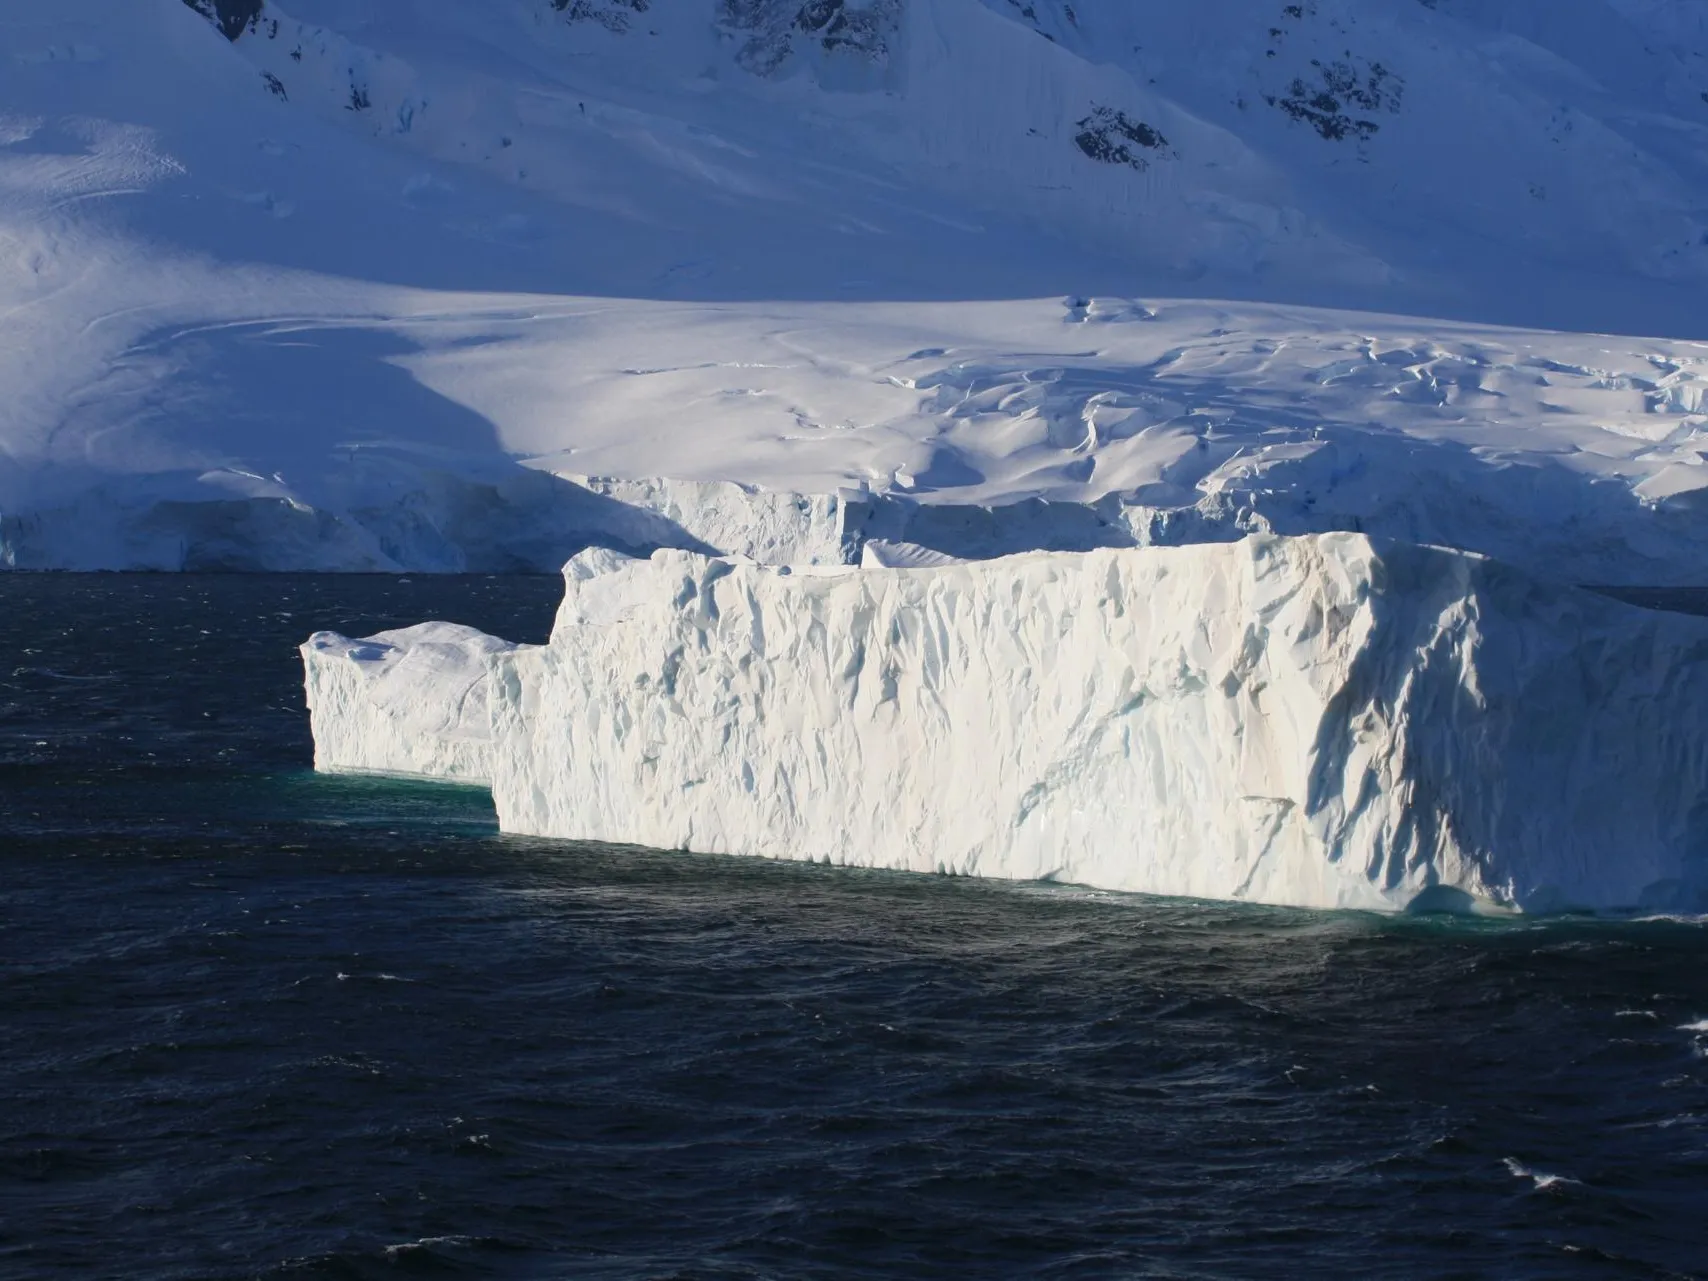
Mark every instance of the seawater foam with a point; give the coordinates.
(1316, 721)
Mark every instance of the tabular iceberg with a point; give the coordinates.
(410, 702)
(1317, 721)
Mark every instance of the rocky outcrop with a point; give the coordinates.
(232, 17)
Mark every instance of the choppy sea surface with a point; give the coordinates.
(256, 1023)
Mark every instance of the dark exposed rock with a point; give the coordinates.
(232, 17)
(613, 15)
(769, 28)
(1110, 135)
(839, 27)
(1342, 98)
(1028, 12)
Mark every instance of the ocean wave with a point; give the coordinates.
(1543, 1180)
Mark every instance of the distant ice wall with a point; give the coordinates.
(397, 512)
(771, 526)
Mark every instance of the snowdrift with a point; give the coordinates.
(1323, 721)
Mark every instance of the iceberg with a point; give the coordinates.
(1318, 721)
(410, 702)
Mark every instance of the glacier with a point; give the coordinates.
(1315, 721)
(456, 286)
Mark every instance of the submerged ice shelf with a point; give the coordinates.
(1325, 721)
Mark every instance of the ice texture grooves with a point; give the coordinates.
(1320, 721)
(410, 702)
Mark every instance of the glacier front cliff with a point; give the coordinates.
(1322, 721)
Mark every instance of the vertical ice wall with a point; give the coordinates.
(411, 702)
(1319, 721)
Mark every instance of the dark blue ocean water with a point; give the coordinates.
(258, 1023)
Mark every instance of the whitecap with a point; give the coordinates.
(1672, 918)
(425, 1243)
(1541, 1179)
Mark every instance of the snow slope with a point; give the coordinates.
(380, 285)
(1323, 721)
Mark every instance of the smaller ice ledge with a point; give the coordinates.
(410, 702)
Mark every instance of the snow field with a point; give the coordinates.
(382, 316)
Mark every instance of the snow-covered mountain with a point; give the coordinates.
(379, 283)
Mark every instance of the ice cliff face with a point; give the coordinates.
(1320, 721)
(410, 702)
